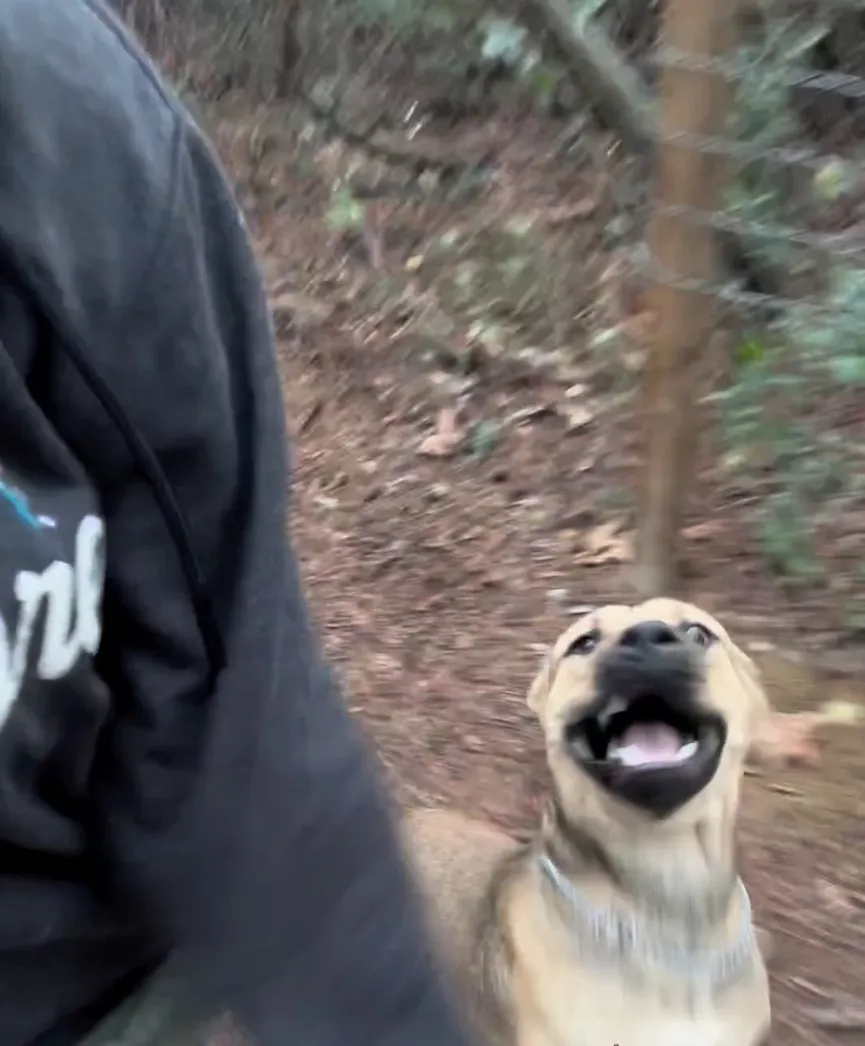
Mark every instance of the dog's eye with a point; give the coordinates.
(585, 643)
(699, 634)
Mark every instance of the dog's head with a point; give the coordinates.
(651, 708)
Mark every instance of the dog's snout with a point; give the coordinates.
(650, 656)
(648, 635)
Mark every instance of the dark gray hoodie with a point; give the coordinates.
(177, 774)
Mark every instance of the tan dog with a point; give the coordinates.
(624, 923)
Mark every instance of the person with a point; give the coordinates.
(190, 825)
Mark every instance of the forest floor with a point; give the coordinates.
(463, 485)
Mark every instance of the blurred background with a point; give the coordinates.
(570, 300)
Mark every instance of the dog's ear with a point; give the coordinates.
(542, 683)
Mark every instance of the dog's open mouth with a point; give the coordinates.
(648, 750)
(643, 732)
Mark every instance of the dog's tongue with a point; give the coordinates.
(649, 744)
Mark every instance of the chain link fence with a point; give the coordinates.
(791, 303)
(524, 137)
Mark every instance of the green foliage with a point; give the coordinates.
(475, 34)
(345, 213)
(766, 119)
(410, 15)
(781, 370)
(836, 346)
(503, 41)
(483, 439)
(782, 373)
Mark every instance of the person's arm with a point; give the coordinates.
(281, 871)
(234, 807)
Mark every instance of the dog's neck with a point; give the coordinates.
(670, 900)
(686, 877)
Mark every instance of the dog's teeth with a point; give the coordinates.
(634, 755)
(583, 748)
(613, 708)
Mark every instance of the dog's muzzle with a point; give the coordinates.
(646, 738)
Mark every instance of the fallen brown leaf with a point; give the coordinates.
(605, 544)
(834, 898)
(444, 441)
(527, 414)
(787, 738)
(584, 208)
(840, 1017)
(702, 531)
(577, 417)
(293, 304)
(311, 415)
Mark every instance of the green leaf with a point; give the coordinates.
(442, 18)
(749, 351)
(503, 41)
(849, 370)
(483, 440)
(540, 78)
(345, 214)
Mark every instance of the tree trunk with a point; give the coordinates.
(693, 103)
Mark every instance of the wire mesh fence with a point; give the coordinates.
(528, 137)
(790, 217)
(834, 177)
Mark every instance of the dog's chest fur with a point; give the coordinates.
(602, 1012)
(563, 997)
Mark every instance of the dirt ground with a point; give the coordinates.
(437, 579)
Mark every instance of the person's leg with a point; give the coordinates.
(158, 1015)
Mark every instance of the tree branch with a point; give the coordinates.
(613, 90)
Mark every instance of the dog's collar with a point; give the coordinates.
(621, 935)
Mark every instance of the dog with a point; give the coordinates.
(623, 922)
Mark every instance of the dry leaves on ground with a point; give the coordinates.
(845, 1016)
(605, 544)
(578, 211)
(704, 531)
(787, 739)
(834, 898)
(577, 417)
(447, 437)
(294, 306)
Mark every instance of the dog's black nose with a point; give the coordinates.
(650, 657)
(648, 635)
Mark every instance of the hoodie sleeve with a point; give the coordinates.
(236, 801)
(232, 805)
